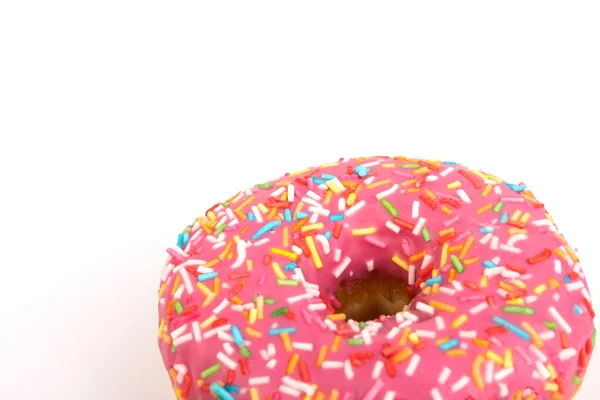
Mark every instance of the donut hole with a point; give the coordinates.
(369, 298)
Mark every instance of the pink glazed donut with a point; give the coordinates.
(496, 305)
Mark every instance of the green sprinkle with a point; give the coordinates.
(498, 206)
(287, 282)
(244, 352)
(178, 307)
(551, 325)
(224, 203)
(410, 166)
(457, 264)
(220, 229)
(266, 300)
(362, 325)
(264, 185)
(577, 380)
(210, 371)
(173, 349)
(186, 230)
(355, 342)
(518, 310)
(594, 338)
(425, 234)
(389, 207)
(280, 311)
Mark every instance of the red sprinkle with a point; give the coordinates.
(430, 203)
(238, 275)
(337, 230)
(543, 255)
(403, 223)
(589, 347)
(290, 315)
(582, 359)
(588, 305)
(230, 377)
(303, 368)
(244, 366)
(187, 384)
(451, 202)
(390, 368)
(471, 178)
(425, 272)
(267, 259)
(516, 268)
(563, 340)
(495, 330)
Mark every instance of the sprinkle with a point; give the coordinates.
(513, 328)
(518, 310)
(560, 320)
(388, 206)
(219, 391)
(456, 263)
(266, 228)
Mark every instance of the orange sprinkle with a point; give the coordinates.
(417, 257)
(554, 283)
(336, 317)
(334, 395)
(458, 322)
(442, 306)
(476, 372)
(337, 340)
(466, 247)
(298, 209)
(455, 249)
(402, 355)
(484, 208)
(430, 194)
(404, 336)
(452, 275)
(445, 210)
(216, 285)
(328, 196)
(487, 190)
(454, 353)
(481, 343)
(470, 261)
(322, 355)
(537, 341)
(291, 367)
(287, 342)
(299, 224)
(176, 284)
(447, 231)
(380, 183)
(286, 237)
(245, 203)
(505, 286)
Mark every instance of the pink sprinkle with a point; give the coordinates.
(524, 355)
(464, 299)
(512, 199)
(262, 278)
(375, 242)
(320, 323)
(406, 248)
(311, 184)
(276, 395)
(450, 196)
(401, 173)
(374, 390)
(334, 301)
(175, 255)
(307, 317)
(347, 396)
(231, 228)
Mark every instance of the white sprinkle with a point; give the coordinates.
(186, 281)
(337, 255)
(278, 192)
(264, 354)
(392, 226)
(348, 370)
(415, 209)
(419, 226)
(271, 351)
(410, 316)
(497, 190)
(298, 385)
(182, 339)
(577, 285)
(560, 320)
(503, 374)
(447, 290)
(179, 331)
(531, 299)
(313, 195)
(196, 331)
(393, 332)
(313, 218)
(460, 384)
(371, 265)
(539, 354)
(413, 364)
(426, 308)
(377, 370)
(311, 202)
(271, 363)
(341, 204)
(467, 334)
(357, 206)
(260, 380)
(215, 331)
(257, 214)
(495, 242)
(290, 196)
(289, 391)
(302, 346)
(366, 337)
(516, 238)
(295, 299)
(507, 273)
(297, 250)
(464, 197)
(261, 242)
(457, 285)
(446, 171)
(439, 323)
(567, 354)
(435, 394)
(509, 249)
(411, 274)
(179, 292)
(443, 378)
(324, 243)
(342, 267)
(489, 371)
(228, 348)
(369, 180)
(504, 392)
(332, 364)
(319, 210)
(548, 335)
(491, 272)
(387, 192)
(544, 373)
(220, 307)
(317, 306)
(486, 238)
(389, 395)
(330, 324)
(422, 333)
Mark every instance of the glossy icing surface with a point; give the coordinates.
(501, 307)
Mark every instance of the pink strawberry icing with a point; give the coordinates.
(501, 307)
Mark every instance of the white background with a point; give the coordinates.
(122, 121)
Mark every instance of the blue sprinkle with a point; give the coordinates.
(486, 229)
(207, 276)
(251, 216)
(186, 238)
(504, 218)
(287, 215)
(328, 177)
(266, 228)
(567, 279)
(361, 171)
(219, 391)
(180, 241)
(232, 388)
(513, 328)
(336, 217)
(327, 235)
(289, 266)
(450, 162)
(578, 309)
(450, 344)
(432, 281)
(237, 336)
(516, 188)
(489, 264)
(279, 331)
(318, 181)
(302, 215)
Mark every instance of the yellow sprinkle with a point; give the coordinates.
(466, 247)
(535, 338)
(388, 165)
(505, 286)
(484, 282)
(337, 317)
(331, 184)
(253, 316)
(286, 237)
(454, 353)
(351, 199)
(552, 371)
(260, 306)
(298, 209)
(212, 263)
(299, 172)
(208, 321)
(550, 387)
(310, 243)
(422, 170)
(508, 359)
(310, 227)
(226, 250)
(408, 182)
(262, 208)
(363, 231)
(554, 284)
(453, 185)
(161, 328)
(572, 253)
(249, 265)
(254, 394)
(277, 270)
(487, 190)
(484, 208)
(245, 203)
(203, 288)
(404, 336)
(520, 284)
(561, 254)
(291, 255)
(445, 210)
(291, 367)
(211, 215)
(442, 306)
(400, 262)
(402, 355)
(283, 183)
(447, 231)
(253, 332)
(540, 289)
(476, 372)
(413, 338)
(490, 355)
(515, 302)
(337, 340)
(516, 231)
(525, 218)
(216, 285)
(444, 256)
(327, 198)
(459, 321)
(380, 183)
(430, 194)
(516, 215)
(333, 164)
(162, 290)
(322, 355)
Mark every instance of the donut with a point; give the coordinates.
(376, 278)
